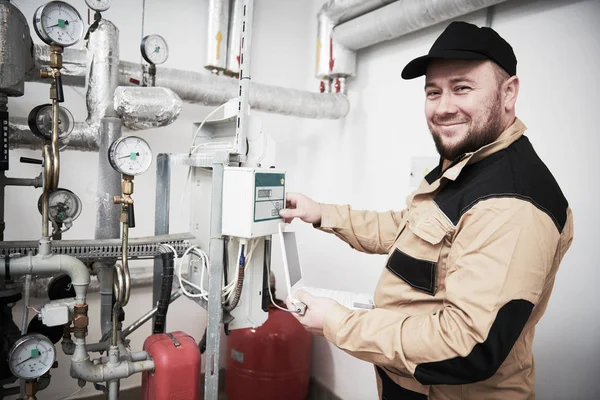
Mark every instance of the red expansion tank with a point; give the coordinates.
(271, 362)
(176, 367)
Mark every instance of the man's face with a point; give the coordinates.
(463, 105)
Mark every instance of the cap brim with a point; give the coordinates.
(418, 66)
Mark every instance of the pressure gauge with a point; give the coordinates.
(31, 356)
(40, 122)
(64, 206)
(130, 155)
(98, 5)
(58, 23)
(154, 49)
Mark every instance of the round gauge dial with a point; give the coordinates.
(31, 356)
(154, 49)
(64, 206)
(130, 155)
(98, 5)
(58, 23)
(40, 122)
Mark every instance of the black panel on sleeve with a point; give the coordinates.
(485, 358)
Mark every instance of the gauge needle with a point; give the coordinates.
(129, 155)
(61, 23)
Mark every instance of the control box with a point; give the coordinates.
(252, 198)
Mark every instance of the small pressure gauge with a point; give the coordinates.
(40, 122)
(154, 49)
(64, 206)
(58, 23)
(130, 155)
(31, 356)
(98, 5)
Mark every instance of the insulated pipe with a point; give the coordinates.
(105, 278)
(234, 38)
(146, 107)
(83, 138)
(402, 17)
(218, 30)
(50, 265)
(344, 10)
(194, 87)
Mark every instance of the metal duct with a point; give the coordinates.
(233, 41)
(109, 183)
(146, 107)
(218, 29)
(74, 65)
(102, 72)
(83, 137)
(194, 87)
(402, 17)
(15, 49)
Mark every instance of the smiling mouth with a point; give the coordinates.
(453, 124)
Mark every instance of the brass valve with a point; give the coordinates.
(80, 321)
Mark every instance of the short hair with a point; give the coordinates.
(500, 73)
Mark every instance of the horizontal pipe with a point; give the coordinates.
(146, 107)
(400, 18)
(344, 10)
(194, 87)
(146, 317)
(50, 265)
(83, 138)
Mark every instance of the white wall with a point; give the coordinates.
(364, 160)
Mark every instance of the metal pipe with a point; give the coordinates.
(344, 10)
(46, 192)
(105, 278)
(234, 39)
(15, 45)
(55, 151)
(26, 298)
(146, 317)
(74, 65)
(402, 17)
(218, 27)
(194, 87)
(83, 138)
(50, 265)
(109, 183)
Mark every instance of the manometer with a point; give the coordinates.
(58, 23)
(31, 356)
(130, 155)
(40, 122)
(98, 5)
(64, 206)
(154, 49)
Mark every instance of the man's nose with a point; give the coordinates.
(446, 105)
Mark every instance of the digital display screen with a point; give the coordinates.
(262, 193)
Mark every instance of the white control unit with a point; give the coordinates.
(252, 198)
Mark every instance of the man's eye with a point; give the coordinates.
(433, 93)
(462, 88)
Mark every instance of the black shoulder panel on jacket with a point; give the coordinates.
(485, 358)
(516, 171)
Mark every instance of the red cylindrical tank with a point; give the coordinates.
(176, 367)
(271, 362)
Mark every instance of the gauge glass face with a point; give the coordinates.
(130, 155)
(98, 5)
(43, 122)
(155, 49)
(64, 206)
(31, 356)
(58, 23)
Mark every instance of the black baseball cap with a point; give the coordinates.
(464, 41)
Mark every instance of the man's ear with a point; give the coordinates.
(510, 91)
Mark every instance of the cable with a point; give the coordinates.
(72, 394)
(271, 295)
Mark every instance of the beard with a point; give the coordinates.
(478, 135)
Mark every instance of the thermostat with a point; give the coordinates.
(252, 198)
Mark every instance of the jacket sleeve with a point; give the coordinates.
(499, 263)
(366, 231)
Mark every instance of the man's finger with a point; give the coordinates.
(289, 213)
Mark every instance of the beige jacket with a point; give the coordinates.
(471, 265)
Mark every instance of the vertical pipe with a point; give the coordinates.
(218, 22)
(234, 39)
(105, 277)
(215, 310)
(161, 218)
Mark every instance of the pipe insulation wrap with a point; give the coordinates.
(102, 72)
(83, 138)
(402, 17)
(15, 50)
(234, 37)
(194, 87)
(146, 107)
(340, 11)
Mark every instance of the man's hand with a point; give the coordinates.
(299, 206)
(316, 309)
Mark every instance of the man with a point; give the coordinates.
(473, 257)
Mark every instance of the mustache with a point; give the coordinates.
(449, 120)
